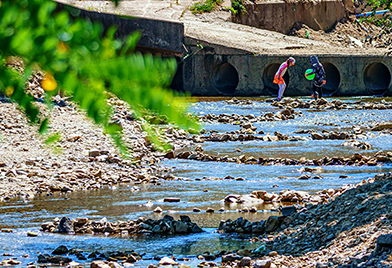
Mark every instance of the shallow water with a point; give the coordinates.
(198, 188)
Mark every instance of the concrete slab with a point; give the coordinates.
(216, 28)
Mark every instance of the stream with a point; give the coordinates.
(198, 188)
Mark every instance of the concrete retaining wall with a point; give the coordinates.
(158, 36)
(241, 74)
(219, 70)
(280, 16)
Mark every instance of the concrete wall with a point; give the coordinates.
(159, 36)
(219, 70)
(280, 16)
(241, 74)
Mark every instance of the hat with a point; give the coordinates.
(314, 59)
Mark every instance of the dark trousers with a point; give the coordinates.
(319, 91)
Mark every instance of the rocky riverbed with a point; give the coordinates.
(333, 227)
(84, 158)
(356, 159)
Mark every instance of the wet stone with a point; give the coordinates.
(60, 250)
(32, 234)
(65, 226)
(262, 263)
(385, 240)
(231, 257)
(171, 199)
(99, 264)
(246, 261)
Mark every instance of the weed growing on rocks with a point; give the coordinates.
(207, 6)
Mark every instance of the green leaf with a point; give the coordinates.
(53, 138)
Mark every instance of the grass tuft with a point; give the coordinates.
(206, 6)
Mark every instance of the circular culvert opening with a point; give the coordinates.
(268, 78)
(333, 78)
(225, 79)
(377, 78)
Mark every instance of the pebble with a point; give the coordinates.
(32, 234)
(171, 199)
(158, 210)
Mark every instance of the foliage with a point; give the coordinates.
(383, 20)
(207, 6)
(85, 63)
(237, 6)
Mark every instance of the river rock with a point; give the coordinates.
(262, 263)
(231, 257)
(170, 155)
(385, 240)
(167, 261)
(65, 226)
(180, 227)
(80, 221)
(131, 259)
(196, 229)
(99, 264)
(317, 136)
(114, 264)
(32, 234)
(304, 177)
(46, 258)
(287, 211)
(271, 224)
(246, 261)
(158, 210)
(382, 126)
(253, 210)
(60, 250)
(94, 153)
(358, 144)
(258, 228)
(232, 198)
(171, 199)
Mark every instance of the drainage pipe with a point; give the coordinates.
(365, 14)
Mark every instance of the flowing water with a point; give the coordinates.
(198, 188)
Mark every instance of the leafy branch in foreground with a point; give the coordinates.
(85, 64)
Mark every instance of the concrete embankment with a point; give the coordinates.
(226, 58)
